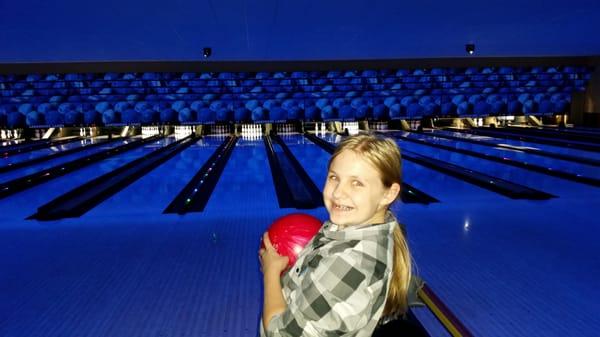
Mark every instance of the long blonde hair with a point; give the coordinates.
(384, 155)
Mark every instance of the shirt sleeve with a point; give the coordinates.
(334, 298)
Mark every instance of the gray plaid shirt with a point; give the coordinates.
(339, 283)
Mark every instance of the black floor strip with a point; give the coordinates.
(87, 196)
(556, 133)
(504, 187)
(195, 195)
(14, 166)
(305, 193)
(507, 161)
(532, 139)
(561, 156)
(35, 145)
(408, 193)
(284, 194)
(408, 325)
(16, 185)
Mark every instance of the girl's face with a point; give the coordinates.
(354, 193)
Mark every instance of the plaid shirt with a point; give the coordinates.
(339, 283)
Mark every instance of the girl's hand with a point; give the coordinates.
(270, 261)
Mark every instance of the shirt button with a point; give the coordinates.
(297, 270)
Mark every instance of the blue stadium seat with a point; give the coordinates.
(381, 112)
(178, 105)
(141, 106)
(45, 107)
(186, 115)
(407, 100)
(148, 116)
(328, 112)
(252, 104)
(102, 106)
(529, 107)
(33, 77)
(546, 107)
(188, 76)
(110, 116)
(426, 100)
(169, 116)
(347, 112)
(270, 104)
(295, 113)
(277, 114)
(224, 115)
(132, 116)
(312, 113)
(56, 99)
(431, 109)
(258, 114)
(206, 115)
(362, 112)
(464, 108)
(448, 109)
(25, 108)
(482, 108)
(93, 117)
(34, 118)
(413, 110)
(197, 105)
(122, 106)
(15, 119)
(289, 103)
(53, 117)
(389, 101)
(72, 117)
(514, 107)
(338, 103)
(356, 103)
(128, 76)
(397, 111)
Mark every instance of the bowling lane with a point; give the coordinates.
(48, 151)
(4, 177)
(514, 142)
(239, 211)
(246, 180)
(555, 164)
(496, 266)
(445, 188)
(312, 158)
(556, 186)
(30, 199)
(152, 193)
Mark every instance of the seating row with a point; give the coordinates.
(169, 98)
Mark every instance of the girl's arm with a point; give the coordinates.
(273, 303)
(272, 266)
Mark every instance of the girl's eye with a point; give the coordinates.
(356, 183)
(332, 177)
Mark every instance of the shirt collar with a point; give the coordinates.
(332, 231)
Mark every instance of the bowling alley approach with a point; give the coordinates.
(305, 169)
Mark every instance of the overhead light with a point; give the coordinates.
(470, 48)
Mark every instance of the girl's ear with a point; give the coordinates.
(391, 194)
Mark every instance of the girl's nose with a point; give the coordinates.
(338, 192)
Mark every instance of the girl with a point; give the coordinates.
(356, 271)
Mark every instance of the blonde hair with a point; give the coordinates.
(384, 155)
